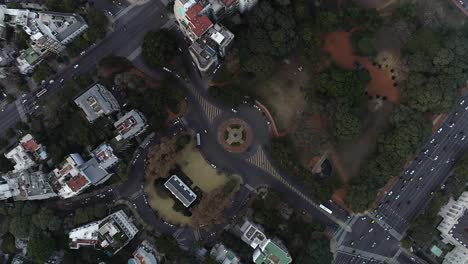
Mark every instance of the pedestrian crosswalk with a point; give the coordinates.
(261, 160)
(210, 110)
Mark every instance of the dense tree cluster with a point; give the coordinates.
(159, 48)
(409, 129)
(285, 157)
(303, 236)
(42, 72)
(271, 33)
(438, 67)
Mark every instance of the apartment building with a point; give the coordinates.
(110, 234)
(49, 32)
(130, 125)
(97, 101)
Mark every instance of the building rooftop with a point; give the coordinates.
(94, 171)
(180, 190)
(105, 156)
(26, 185)
(97, 101)
(224, 255)
(111, 233)
(21, 158)
(252, 234)
(62, 25)
(271, 253)
(77, 182)
(131, 124)
(199, 24)
(30, 144)
(459, 231)
(144, 254)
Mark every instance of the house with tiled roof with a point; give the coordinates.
(198, 20)
(74, 175)
(26, 153)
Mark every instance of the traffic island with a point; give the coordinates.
(235, 135)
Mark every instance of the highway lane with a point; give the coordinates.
(394, 213)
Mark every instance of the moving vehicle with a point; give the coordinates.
(198, 139)
(76, 66)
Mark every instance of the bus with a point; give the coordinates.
(40, 93)
(198, 140)
(325, 209)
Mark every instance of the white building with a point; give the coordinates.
(266, 251)
(452, 229)
(49, 32)
(130, 125)
(96, 102)
(25, 185)
(74, 175)
(110, 234)
(145, 254)
(21, 158)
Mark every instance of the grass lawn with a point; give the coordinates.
(196, 168)
(164, 207)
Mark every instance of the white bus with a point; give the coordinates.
(198, 139)
(40, 93)
(326, 209)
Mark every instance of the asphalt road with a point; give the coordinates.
(128, 34)
(413, 191)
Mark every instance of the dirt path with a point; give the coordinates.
(338, 45)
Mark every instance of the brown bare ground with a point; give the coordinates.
(338, 45)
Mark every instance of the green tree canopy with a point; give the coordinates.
(159, 48)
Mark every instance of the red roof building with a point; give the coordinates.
(228, 3)
(30, 145)
(198, 23)
(77, 182)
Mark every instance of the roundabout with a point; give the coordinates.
(235, 135)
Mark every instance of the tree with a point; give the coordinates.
(336, 82)
(42, 72)
(46, 220)
(21, 38)
(10, 133)
(424, 40)
(8, 244)
(159, 48)
(5, 164)
(98, 24)
(19, 226)
(23, 127)
(100, 211)
(40, 246)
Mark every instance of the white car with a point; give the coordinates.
(466, 108)
(24, 95)
(212, 165)
(432, 169)
(233, 110)
(388, 238)
(398, 196)
(452, 124)
(412, 172)
(462, 102)
(62, 80)
(371, 229)
(25, 100)
(76, 66)
(436, 157)
(83, 52)
(432, 140)
(51, 81)
(440, 130)
(36, 107)
(463, 138)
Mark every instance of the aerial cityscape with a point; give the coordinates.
(233, 131)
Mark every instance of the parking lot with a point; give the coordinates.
(110, 7)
